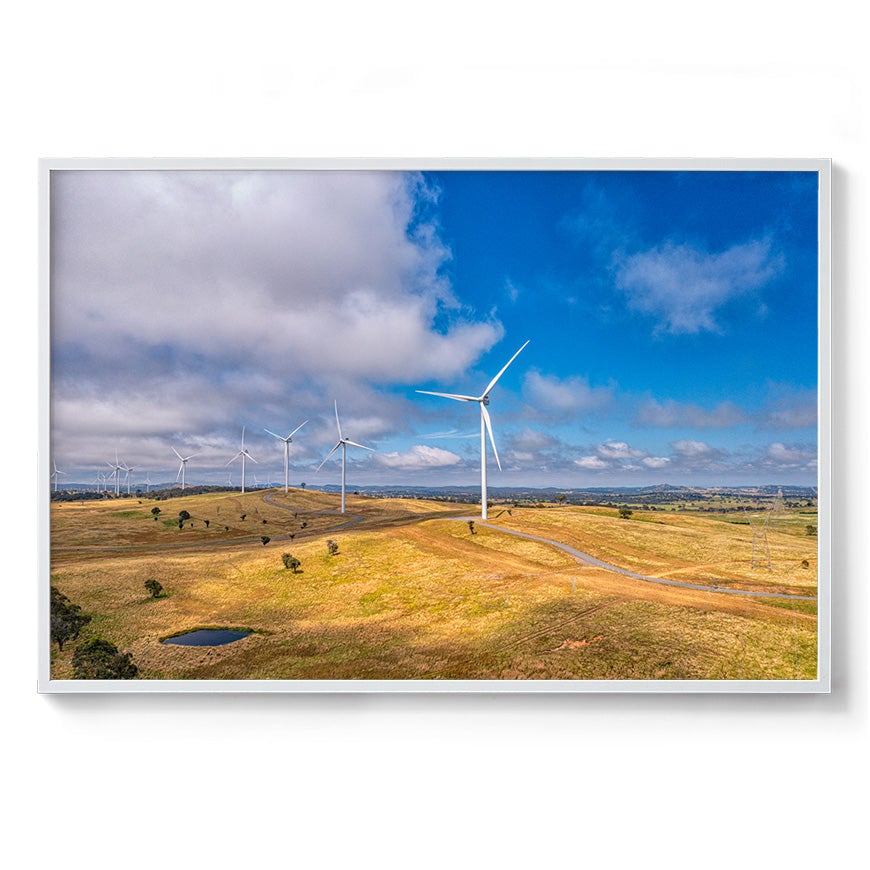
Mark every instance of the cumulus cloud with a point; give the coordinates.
(564, 397)
(791, 409)
(186, 301)
(618, 450)
(778, 455)
(688, 448)
(684, 288)
(592, 463)
(656, 461)
(420, 456)
(670, 414)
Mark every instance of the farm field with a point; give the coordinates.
(413, 594)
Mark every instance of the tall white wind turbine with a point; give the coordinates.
(485, 425)
(342, 443)
(117, 468)
(127, 476)
(54, 474)
(286, 441)
(245, 455)
(183, 466)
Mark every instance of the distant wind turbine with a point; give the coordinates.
(117, 468)
(183, 466)
(245, 455)
(342, 443)
(128, 469)
(485, 425)
(55, 473)
(286, 441)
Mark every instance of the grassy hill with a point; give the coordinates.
(412, 593)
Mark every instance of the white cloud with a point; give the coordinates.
(684, 288)
(671, 414)
(618, 450)
(778, 455)
(656, 461)
(688, 448)
(564, 397)
(420, 456)
(594, 463)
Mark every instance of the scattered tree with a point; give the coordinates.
(332, 548)
(471, 526)
(183, 515)
(154, 588)
(812, 530)
(180, 523)
(206, 522)
(625, 512)
(66, 618)
(302, 485)
(155, 511)
(291, 562)
(561, 498)
(98, 659)
(265, 539)
(264, 522)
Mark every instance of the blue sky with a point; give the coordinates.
(671, 319)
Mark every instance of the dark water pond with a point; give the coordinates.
(207, 637)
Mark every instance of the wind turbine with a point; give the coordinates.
(183, 465)
(55, 473)
(117, 468)
(286, 441)
(128, 469)
(148, 482)
(485, 425)
(245, 455)
(342, 443)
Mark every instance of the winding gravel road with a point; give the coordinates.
(586, 559)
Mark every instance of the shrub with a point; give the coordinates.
(471, 526)
(332, 548)
(265, 539)
(155, 511)
(812, 531)
(98, 659)
(153, 587)
(183, 515)
(291, 562)
(243, 516)
(625, 512)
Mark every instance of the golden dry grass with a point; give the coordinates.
(411, 595)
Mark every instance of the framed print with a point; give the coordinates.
(434, 425)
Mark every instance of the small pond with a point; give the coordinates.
(207, 637)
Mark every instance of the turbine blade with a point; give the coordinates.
(327, 457)
(455, 396)
(273, 434)
(295, 431)
(250, 457)
(493, 382)
(192, 455)
(348, 441)
(488, 422)
(234, 458)
(178, 475)
(337, 422)
(243, 437)
(177, 453)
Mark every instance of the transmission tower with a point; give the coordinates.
(760, 547)
(777, 508)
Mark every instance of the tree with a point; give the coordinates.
(206, 522)
(625, 512)
(471, 526)
(265, 539)
(302, 485)
(183, 515)
(98, 659)
(291, 562)
(155, 511)
(332, 548)
(66, 619)
(561, 498)
(812, 531)
(154, 587)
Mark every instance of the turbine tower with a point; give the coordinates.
(245, 455)
(183, 466)
(485, 425)
(55, 473)
(286, 441)
(342, 443)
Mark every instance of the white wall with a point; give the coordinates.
(436, 781)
